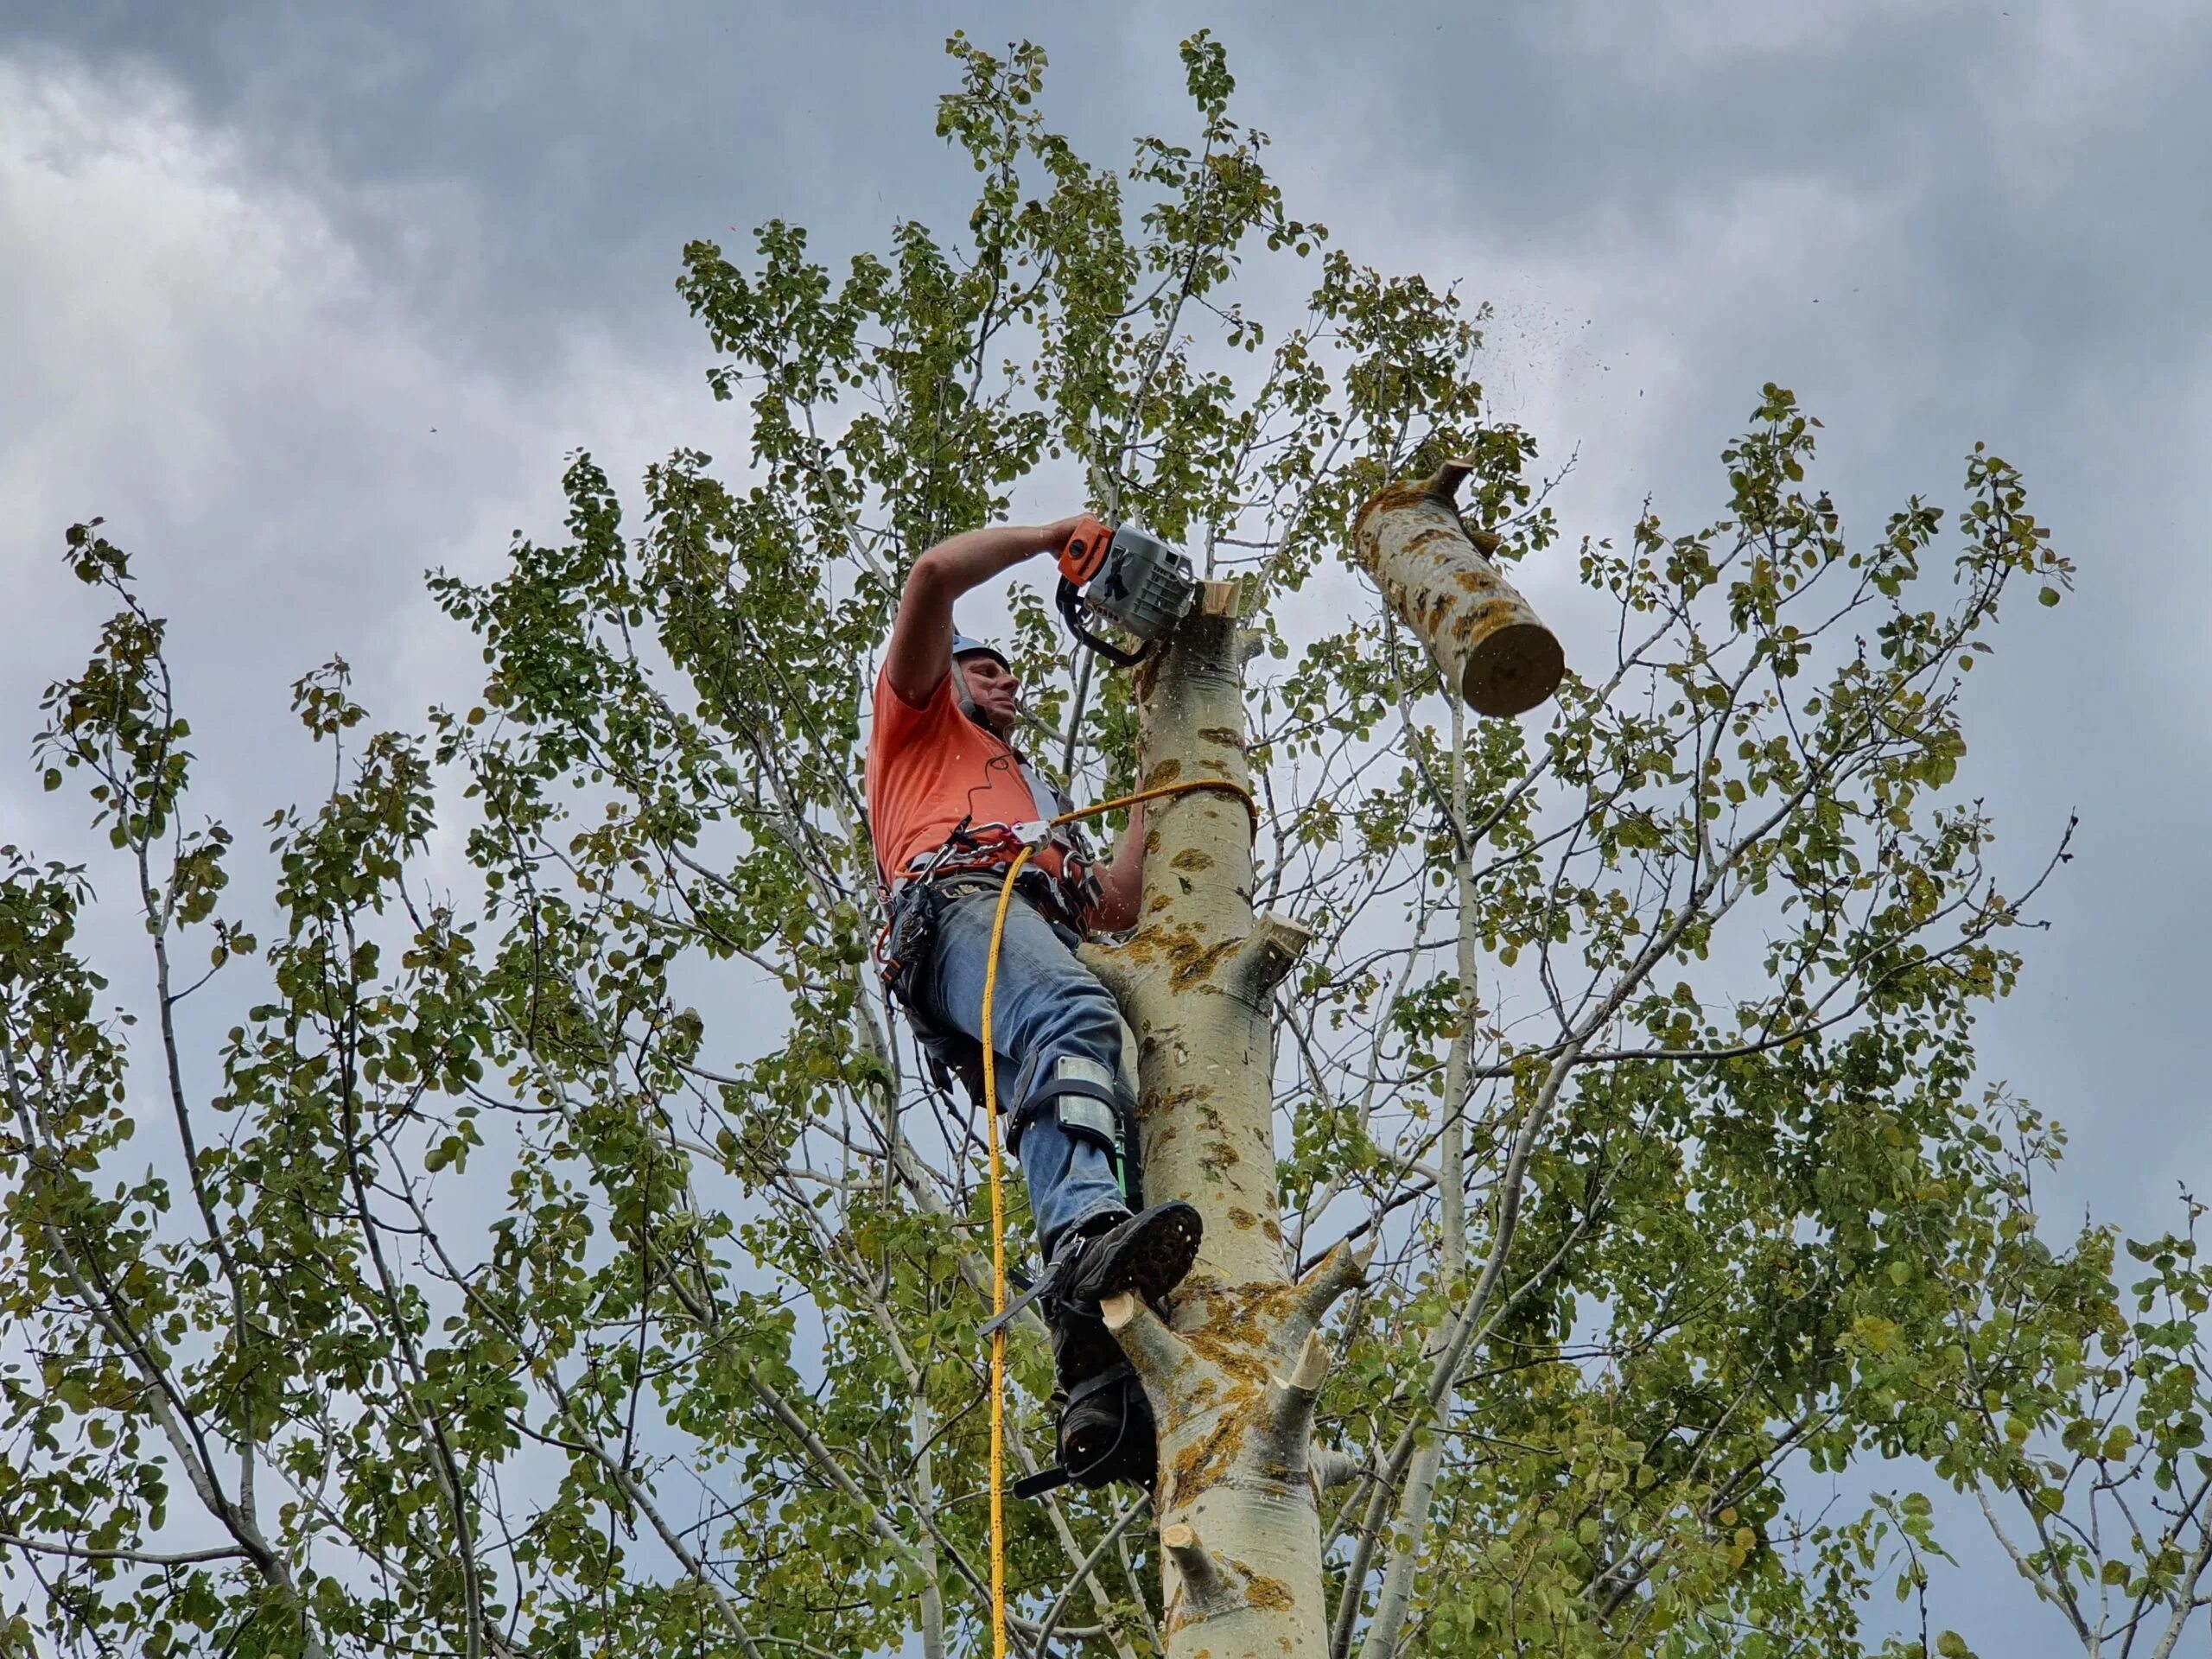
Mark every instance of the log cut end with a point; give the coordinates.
(1513, 669)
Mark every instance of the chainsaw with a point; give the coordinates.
(1122, 575)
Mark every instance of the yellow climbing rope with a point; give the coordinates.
(998, 1201)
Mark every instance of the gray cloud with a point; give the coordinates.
(569, 157)
(1937, 224)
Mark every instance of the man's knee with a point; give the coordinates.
(1085, 1026)
(1089, 1019)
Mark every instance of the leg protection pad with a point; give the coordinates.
(1087, 1100)
(1080, 1095)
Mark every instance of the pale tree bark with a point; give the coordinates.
(932, 1620)
(1233, 1371)
(1411, 1522)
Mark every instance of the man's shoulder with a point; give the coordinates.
(887, 693)
(889, 696)
(899, 722)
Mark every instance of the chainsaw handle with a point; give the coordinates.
(1071, 602)
(1086, 551)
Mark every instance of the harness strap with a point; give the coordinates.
(1044, 1284)
(992, 846)
(1044, 1481)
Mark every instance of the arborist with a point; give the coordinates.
(950, 802)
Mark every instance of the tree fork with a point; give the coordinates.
(1233, 1370)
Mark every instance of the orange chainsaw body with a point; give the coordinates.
(1086, 551)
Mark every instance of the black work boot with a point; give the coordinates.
(1148, 1254)
(1106, 1427)
(1106, 1431)
(1082, 1349)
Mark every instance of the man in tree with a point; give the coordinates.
(951, 802)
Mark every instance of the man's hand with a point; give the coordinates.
(921, 639)
(1055, 534)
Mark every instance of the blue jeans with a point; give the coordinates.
(1046, 1005)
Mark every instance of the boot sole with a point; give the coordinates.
(1151, 1263)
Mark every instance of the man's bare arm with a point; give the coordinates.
(921, 639)
(1121, 884)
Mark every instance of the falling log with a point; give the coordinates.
(1435, 573)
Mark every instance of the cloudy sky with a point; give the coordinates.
(306, 299)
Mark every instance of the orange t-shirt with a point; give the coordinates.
(930, 767)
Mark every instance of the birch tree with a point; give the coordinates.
(522, 1228)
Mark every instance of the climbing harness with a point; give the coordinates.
(968, 862)
(1000, 1312)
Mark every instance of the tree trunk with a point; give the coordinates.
(1233, 1372)
(1435, 574)
(1395, 1600)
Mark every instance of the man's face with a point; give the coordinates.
(992, 686)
